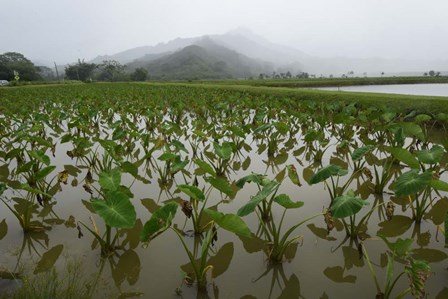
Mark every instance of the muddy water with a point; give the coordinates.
(320, 266)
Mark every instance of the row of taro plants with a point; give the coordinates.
(196, 148)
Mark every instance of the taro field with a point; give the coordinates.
(177, 191)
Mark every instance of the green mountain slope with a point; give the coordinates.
(204, 60)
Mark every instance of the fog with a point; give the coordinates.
(63, 31)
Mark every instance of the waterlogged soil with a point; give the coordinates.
(321, 264)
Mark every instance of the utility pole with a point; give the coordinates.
(56, 68)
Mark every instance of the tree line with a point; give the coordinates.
(15, 67)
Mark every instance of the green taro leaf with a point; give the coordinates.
(413, 129)
(401, 247)
(326, 172)
(118, 133)
(223, 151)
(346, 205)
(287, 203)
(40, 156)
(41, 174)
(116, 211)
(256, 178)
(230, 222)
(179, 146)
(205, 167)
(361, 151)
(403, 155)
(167, 156)
(411, 182)
(254, 201)
(110, 181)
(432, 156)
(422, 118)
(129, 167)
(439, 185)
(222, 185)
(192, 191)
(262, 128)
(159, 222)
(178, 165)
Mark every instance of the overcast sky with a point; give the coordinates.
(63, 31)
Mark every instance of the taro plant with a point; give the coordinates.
(332, 170)
(329, 172)
(161, 220)
(115, 209)
(173, 163)
(346, 207)
(278, 241)
(194, 208)
(417, 271)
(417, 187)
(220, 158)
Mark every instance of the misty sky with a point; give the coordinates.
(63, 31)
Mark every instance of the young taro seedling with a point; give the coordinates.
(262, 202)
(161, 220)
(114, 207)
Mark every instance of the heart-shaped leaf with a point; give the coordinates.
(326, 172)
(346, 205)
(223, 151)
(230, 222)
(159, 221)
(287, 203)
(117, 210)
(192, 191)
(361, 151)
(110, 181)
(432, 156)
(254, 201)
(412, 182)
(403, 155)
(222, 185)
(205, 167)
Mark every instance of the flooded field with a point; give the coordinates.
(124, 191)
(440, 89)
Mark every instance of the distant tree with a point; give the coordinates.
(437, 74)
(288, 75)
(140, 74)
(382, 74)
(331, 76)
(261, 76)
(46, 73)
(431, 73)
(12, 61)
(302, 75)
(425, 74)
(110, 70)
(82, 71)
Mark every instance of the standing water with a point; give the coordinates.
(409, 89)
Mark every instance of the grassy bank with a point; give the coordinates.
(333, 82)
(424, 104)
